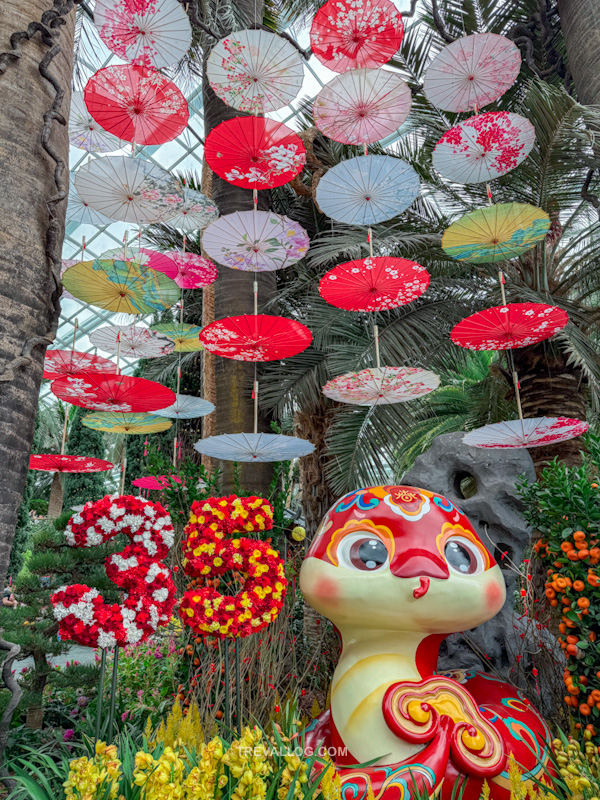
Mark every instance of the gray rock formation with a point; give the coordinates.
(482, 484)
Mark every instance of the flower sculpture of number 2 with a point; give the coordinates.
(209, 552)
(83, 614)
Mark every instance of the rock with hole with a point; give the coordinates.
(482, 484)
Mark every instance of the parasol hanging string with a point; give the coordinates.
(123, 471)
(502, 282)
(255, 398)
(255, 290)
(64, 436)
(366, 151)
(376, 336)
(517, 387)
(83, 246)
(118, 352)
(125, 240)
(181, 292)
(370, 240)
(489, 194)
(255, 199)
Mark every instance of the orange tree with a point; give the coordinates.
(563, 509)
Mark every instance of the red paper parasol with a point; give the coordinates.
(254, 152)
(528, 432)
(509, 326)
(256, 338)
(188, 270)
(151, 482)
(65, 362)
(347, 34)
(112, 392)
(136, 104)
(51, 462)
(374, 284)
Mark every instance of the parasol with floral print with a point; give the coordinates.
(484, 147)
(527, 432)
(52, 462)
(255, 241)
(65, 362)
(472, 71)
(131, 424)
(254, 152)
(255, 71)
(155, 33)
(136, 104)
(256, 337)
(381, 386)
(86, 133)
(374, 284)
(362, 106)
(112, 392)
(508, 326)
(349, 34)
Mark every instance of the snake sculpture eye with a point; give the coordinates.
(463, 556)
(362, 551)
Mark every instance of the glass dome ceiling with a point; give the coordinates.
(184, 154)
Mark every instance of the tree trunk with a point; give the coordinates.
(55, 502)
(580, 23)
(233, 296)
(317, 498)
(35, 80)
(551, 388)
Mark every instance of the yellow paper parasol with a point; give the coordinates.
(123, 286)
(496, 233)
(126, 423)
(185, 336)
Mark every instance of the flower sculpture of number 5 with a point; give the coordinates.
(210, 553)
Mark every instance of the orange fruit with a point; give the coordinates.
(578, 536)
(579, 586)
(583, 554)
(573, 555)
(583, 602)
(566, 546)
(585, 709)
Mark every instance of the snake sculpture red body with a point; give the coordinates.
(396, 569)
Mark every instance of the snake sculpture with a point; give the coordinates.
(397, 569)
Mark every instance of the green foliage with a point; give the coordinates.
(82, 441)
(563, 508)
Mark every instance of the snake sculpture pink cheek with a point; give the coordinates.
(442, 732)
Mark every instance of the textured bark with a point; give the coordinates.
(550, 387)
(580, 23)
(209, 389)
(55, 503)
(317, 497)
(233, 296)
(29, 260)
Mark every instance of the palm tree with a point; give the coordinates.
(557, 378)
(35, 81)
(580, 23)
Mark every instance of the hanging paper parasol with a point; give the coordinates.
(185, 337)
(121, 286)
(528, 432)
(112, 392)
(374, 284)
(83, 213)
(255, 71)
(85, 132)
(254, 447)
(156, 484)
(194, 213)
(254, 152)
(367, 189)
(188, 270)
(362, 106)
(51, 462)
(509, 326)
(255, 241)
(126, 423)
(346, 34)
(128, 189)
(131, 341)
(472, 72)
(155, 33)
(258, 337)
(484, 147)
(136, 104)
(65, 362)
(496, 233)
(187, 407)
(381, 386)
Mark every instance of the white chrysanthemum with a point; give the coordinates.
(106, 639)
(123, 564)
(160, 595)
(116, 512)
